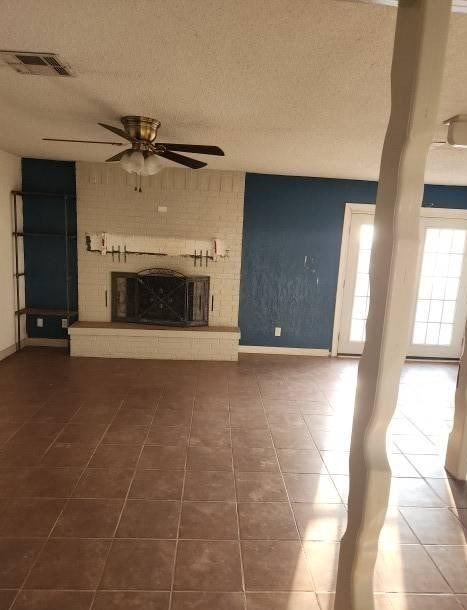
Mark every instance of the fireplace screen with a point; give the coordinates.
(160, 296)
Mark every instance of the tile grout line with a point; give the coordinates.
(185, 473)
(53, 439)
(67, 500)
(308, 569)
(179, 517)
(318, 474)
(237, 514)
(112, 538)
(177, 539)
(42, 404)
(320, 452)
(421, 545)
(398, 507)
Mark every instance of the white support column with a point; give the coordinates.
(456, 454)
(417, 69)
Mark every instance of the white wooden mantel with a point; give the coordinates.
(416, 77)
(117, 243)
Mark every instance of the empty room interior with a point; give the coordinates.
(233, 258)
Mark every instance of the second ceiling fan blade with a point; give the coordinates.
(187, 161)
(116, 130)
(116, 157)
(194, 148)
(85, 141)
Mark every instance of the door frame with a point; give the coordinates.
(369, 208)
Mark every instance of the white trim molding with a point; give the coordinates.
(350, 208)
(284, 351)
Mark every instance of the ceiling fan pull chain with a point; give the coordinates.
(140, 183)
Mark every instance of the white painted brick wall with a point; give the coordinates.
(197, 347)
(200, 205)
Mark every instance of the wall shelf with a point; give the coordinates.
(69, 311)
(32, 234)
(38, 311)
(42, 194)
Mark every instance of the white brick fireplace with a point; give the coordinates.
(199, 205)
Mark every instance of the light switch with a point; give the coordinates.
(40, 322)
(277, 331)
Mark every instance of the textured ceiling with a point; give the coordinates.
(284, 86)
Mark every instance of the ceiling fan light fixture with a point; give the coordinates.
(137, 161)
(126, 162)
(133, 162)
(152, 165)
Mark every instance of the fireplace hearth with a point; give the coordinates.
(161, 297)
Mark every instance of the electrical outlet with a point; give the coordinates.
(277, 331)
(64, 323)
(40, 322)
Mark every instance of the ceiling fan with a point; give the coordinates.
(142, 158)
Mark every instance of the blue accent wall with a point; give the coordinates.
(44, 242)
(292, 232)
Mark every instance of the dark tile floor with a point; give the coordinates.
(163, 485)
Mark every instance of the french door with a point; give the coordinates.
(438, 318)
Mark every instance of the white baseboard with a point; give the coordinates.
(8, 351)
(285, 351)
(4, 353)
(409, 359)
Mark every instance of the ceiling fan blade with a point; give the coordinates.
(116, 157)
(116, 130)
(187, 161)
(194, 148)
(85, 141)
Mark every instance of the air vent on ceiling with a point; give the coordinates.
(39, 64)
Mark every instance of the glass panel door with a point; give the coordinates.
(441, 305)
(441, 300)
(356, 295)
(361, 296)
